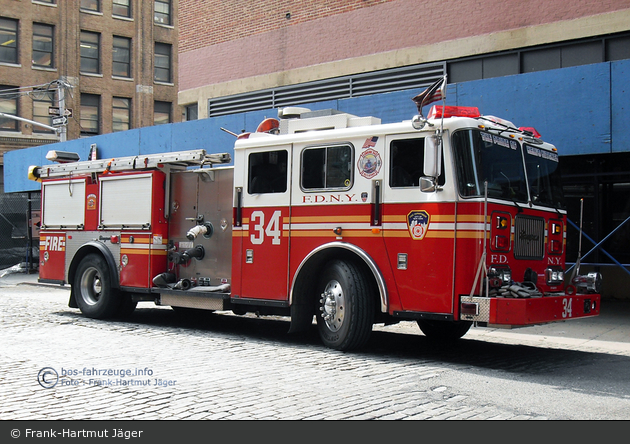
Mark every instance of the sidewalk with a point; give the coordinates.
(610, 331)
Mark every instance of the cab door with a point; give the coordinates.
(266, 196)
(418, 228)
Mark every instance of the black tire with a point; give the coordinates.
(345, 309)
(93, 288)
(444, 330)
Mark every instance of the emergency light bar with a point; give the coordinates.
(438, 112)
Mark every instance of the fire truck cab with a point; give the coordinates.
(446, 221)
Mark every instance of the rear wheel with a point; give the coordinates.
(345, 313)
(93, 288)
(444, 330)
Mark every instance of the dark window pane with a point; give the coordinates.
(90, 114)
(40, 113)
(121, 8)
(90, 62)
(91, 5)
(121, 114)
(325, 168)
(162, 12)
(267, 172)
(541, 60)
(191, 112)
(618, 49)
(8, 41)
(465, 71)
(582, 54)
(8, 105)
(162, 63)
(43, 45)
(121, 57)
(497, 66)
(161, 113)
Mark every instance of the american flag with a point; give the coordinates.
(433, 93)
(370, 142)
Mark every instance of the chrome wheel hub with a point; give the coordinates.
(332, 305)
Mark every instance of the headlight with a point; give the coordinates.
(554, 276)
(502, 273)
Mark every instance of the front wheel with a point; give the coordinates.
(444, 330)
(93, 288)
(345, 313)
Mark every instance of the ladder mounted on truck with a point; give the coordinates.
(178, 159)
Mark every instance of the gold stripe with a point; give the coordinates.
(339, 219)
(142, 252)
(434, 218)
(471, 218)
(329, 233)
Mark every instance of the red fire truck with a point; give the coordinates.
(450, 220)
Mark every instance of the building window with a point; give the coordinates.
(91, 5)
(121, 8)
(8, 41)
(90, 52)
(51, 2)
(191, 112)
(90, 115)
(121, 114)
(41, 114)
(43, 47)
(121, 57)
(162, 68)
(161, 113)
(8, 105)
(162, 12)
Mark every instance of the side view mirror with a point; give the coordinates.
(432, 163)
(432, 156)
(428, 184)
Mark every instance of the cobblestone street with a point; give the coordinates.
(226, 367)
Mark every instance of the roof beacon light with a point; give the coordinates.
(530, 131)
(62, 156)
(438, 112)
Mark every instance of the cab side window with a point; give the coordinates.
(267, 172)
(327, 167)
(406, 163)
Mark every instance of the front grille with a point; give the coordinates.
(529, 237)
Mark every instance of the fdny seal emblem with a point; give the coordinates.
(369, 163)
(418, 224)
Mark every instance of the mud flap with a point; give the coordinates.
(301, 318)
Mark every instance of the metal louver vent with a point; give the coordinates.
(387, 80)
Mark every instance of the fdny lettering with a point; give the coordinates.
(554, 261)
(498, 259)
(55, 243)
(329, 198)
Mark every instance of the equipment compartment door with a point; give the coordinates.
(266, 211)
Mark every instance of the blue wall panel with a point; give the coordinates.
(620, 107)
(570, 107)
(582, 110)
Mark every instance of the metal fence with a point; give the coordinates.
(18, 244)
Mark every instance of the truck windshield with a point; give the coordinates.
(543, 175)
(480, 157)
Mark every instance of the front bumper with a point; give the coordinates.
(519, 312)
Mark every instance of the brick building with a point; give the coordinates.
(115, 62)
(238, 47)
(563, 65)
